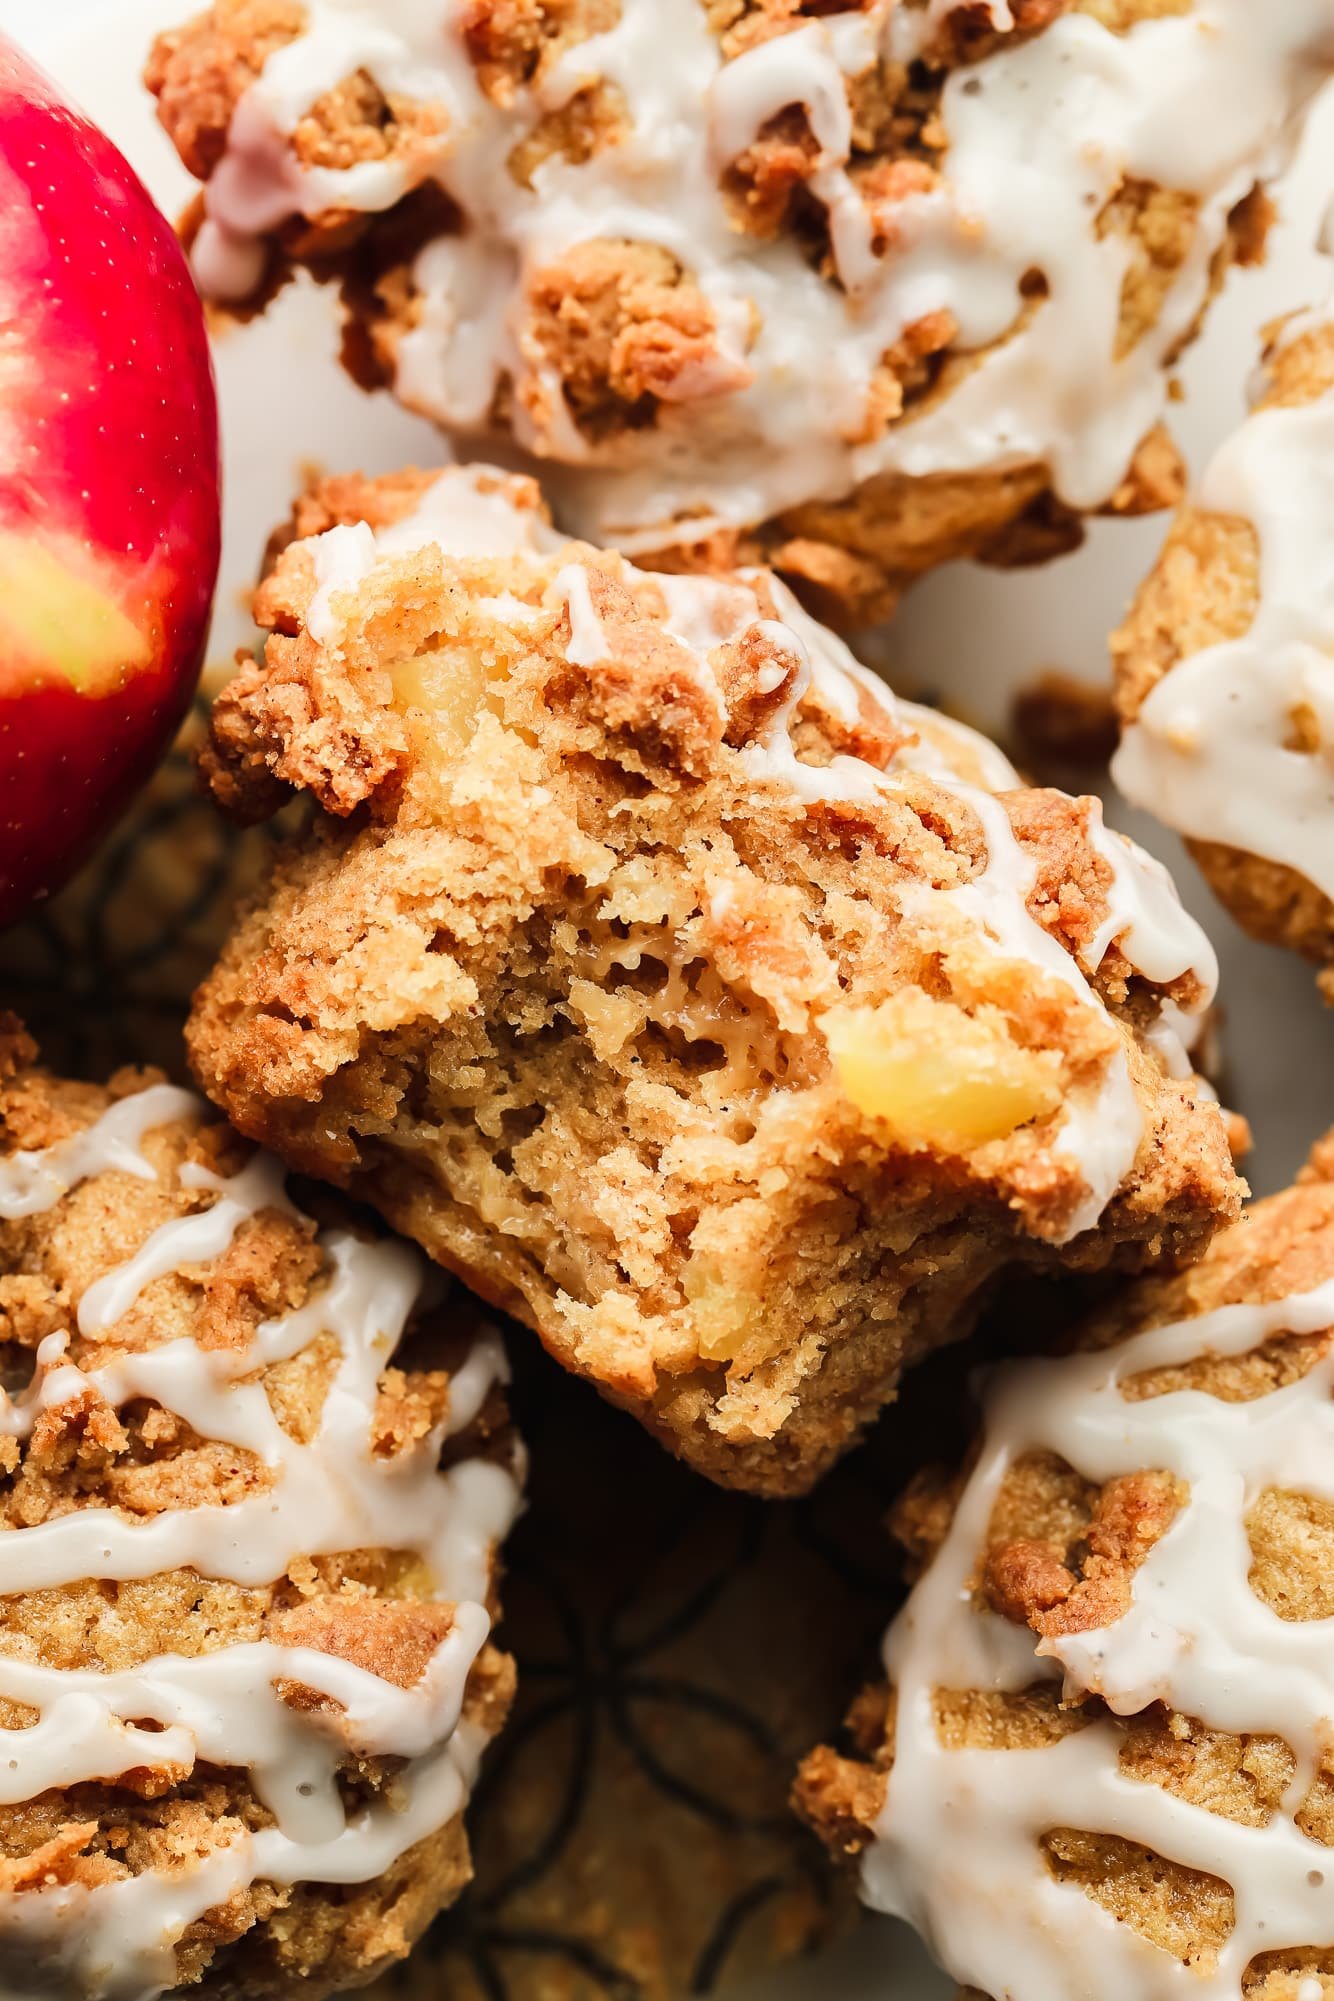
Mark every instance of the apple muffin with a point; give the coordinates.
(1100, 1764)
(726, 1020)
(631, 236)
(248, 1560)
(1223, 664)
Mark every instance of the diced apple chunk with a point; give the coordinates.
(936, 1076)
(449, 688)
(727, 1316)
(610, 1018)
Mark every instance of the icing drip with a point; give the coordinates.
(1041, 136)
(31, 1182)
(956, 1847)
(1103, 1125)
(1217, 748)
(587, 644)
(115, 1942)
(1144, 914)
(331, 1495)
(457, 512)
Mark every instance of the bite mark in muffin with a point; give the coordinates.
(725, 1019)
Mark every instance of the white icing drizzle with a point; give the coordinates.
(1103, 1125)
(956, 1848)
(586, 643)
(341, 556)
(31, 1182)
(1214, 750)
(458, 512)
(193, 1240)
(1144, 914)
(115, 1943)
(329, 1496)
(1041, 135)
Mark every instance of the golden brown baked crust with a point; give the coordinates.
(551, 979)
(1205, 589)
(615, 328)
(371, 1607)
(1060, 1556)
(200, 72)
(682, 1689)
(851, 560)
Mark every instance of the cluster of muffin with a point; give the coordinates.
(729, 1022)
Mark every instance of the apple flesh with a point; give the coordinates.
(109, 485)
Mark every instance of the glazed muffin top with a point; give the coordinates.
(248, 1557)
(1102, 1763)
(1223, 663)
(636, 234)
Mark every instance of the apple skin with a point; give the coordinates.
(109, 485)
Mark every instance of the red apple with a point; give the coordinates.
(109, 485)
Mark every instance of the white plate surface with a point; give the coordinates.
(972, 635)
